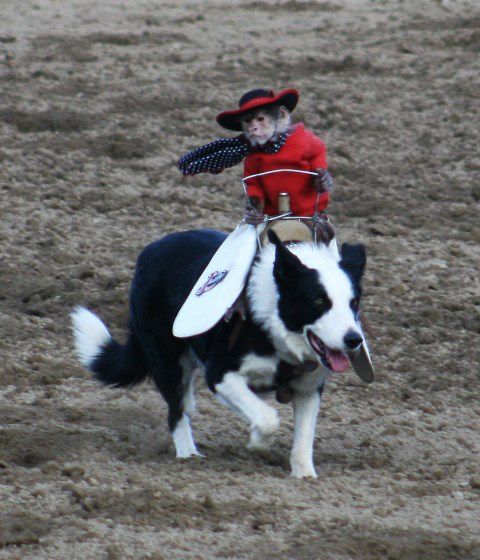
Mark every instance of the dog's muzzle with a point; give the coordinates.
(334, 360)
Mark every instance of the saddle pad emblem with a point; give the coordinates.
(213, 280)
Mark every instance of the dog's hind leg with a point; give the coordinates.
(172, 375)
(175, 383)
(170, 383)
(188, 364)
(234, 392)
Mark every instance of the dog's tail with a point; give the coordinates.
(112, 363)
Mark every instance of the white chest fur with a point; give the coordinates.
(257, 370)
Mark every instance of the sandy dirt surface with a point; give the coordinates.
(97, 101)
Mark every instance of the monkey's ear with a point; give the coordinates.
(283, 112)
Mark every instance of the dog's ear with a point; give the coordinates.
(353, 260)
(287, 266)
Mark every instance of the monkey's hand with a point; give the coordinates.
(253, 211)
(323, 181)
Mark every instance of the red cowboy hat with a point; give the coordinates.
(253, 100)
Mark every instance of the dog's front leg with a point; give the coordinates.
(234, 392)
(305, 410)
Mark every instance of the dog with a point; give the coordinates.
(300, 324)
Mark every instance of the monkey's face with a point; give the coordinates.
(259, 126)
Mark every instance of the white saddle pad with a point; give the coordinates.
(219, 285)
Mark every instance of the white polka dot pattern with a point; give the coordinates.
(223, 153)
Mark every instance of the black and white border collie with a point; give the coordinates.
(301, 308)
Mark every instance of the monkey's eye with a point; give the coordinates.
(260, 119)
(354, 304)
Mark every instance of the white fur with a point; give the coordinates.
(90, 335)
(333, 325)
(183, 439)
(305, 407)
(306, 404)
(234, 392)
(330, 327)
(258, 370)
(263, 298)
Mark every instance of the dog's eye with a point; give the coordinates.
(320, 301)
(354, 303)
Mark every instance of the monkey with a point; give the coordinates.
(259, 127)
(265, 125)
(269, 141)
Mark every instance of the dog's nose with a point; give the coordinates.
(352, 339)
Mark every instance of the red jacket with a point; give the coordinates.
(302, 150)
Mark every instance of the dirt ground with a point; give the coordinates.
(98, 99)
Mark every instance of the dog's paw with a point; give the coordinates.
(263, 432)
(302, 470)
(259, 440)
(184, 454)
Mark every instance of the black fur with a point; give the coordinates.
(353, 260)
(121, 366)
(303, 298)
(165, 274)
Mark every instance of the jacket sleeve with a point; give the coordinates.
(316, 153)
(254, 186)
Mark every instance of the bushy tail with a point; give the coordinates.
(112, 363)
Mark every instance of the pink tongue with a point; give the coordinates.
(338, 361)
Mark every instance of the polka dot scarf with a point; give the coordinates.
(223, 153)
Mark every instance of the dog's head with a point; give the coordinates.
(317, 300)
